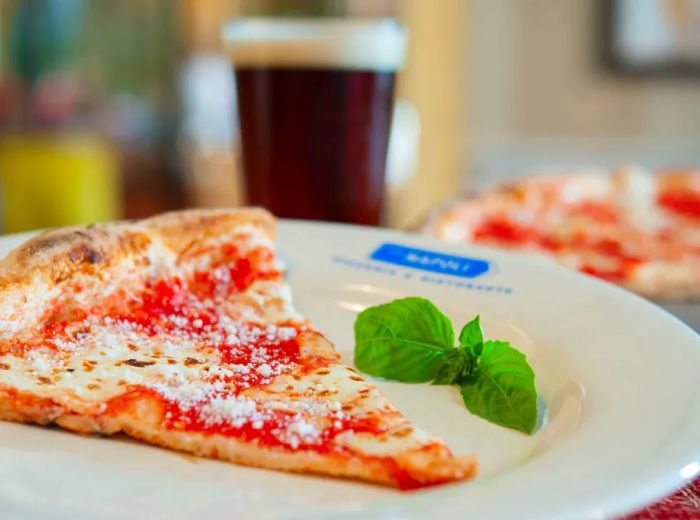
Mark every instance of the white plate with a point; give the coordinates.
(617, 377)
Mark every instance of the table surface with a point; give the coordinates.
(682, 505)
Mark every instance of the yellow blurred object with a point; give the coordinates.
(57, 179)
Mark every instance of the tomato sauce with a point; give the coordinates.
(502, 230)
(407, 482)
(681, 201)
(266, 430)
(615, 275)
(161, 303)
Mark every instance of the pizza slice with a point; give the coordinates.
(631, 226)
(179, 330)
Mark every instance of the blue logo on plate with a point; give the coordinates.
(430, 260)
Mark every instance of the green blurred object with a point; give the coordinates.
(44, 36)
(295, 8)
(57, 179)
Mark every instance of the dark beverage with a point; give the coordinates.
(314, 141)
(315, 117)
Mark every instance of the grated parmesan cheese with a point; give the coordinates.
(200, 354)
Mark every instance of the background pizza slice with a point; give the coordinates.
(631, 226)
(179, 330)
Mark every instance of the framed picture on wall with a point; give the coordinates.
(653, 37)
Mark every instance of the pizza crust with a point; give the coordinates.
(35, 272)
(427, 464)
(58, 254)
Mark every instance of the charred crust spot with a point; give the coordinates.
(191, 362)
(172, 361)
(323, 371)
(84, 253)
(43, 380)
(351, 369)
(46, 243)
(356, 378)
(347, 406)
(138, 363)
(4, 366)
(93, 386)
(89, 365)
(289, 387)
(364, 391)
(132, 347)
(121, 382)
(327, 392)
(94, 257)
(70, 369)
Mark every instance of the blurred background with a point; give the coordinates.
(112, 109)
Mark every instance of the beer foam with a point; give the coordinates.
(360, 44)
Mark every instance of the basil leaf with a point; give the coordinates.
(456, 366)
(502, 388)
(472, 336)
(405, 340)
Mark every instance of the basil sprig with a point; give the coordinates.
(411, 340)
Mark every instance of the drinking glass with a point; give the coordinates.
(315, 101)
